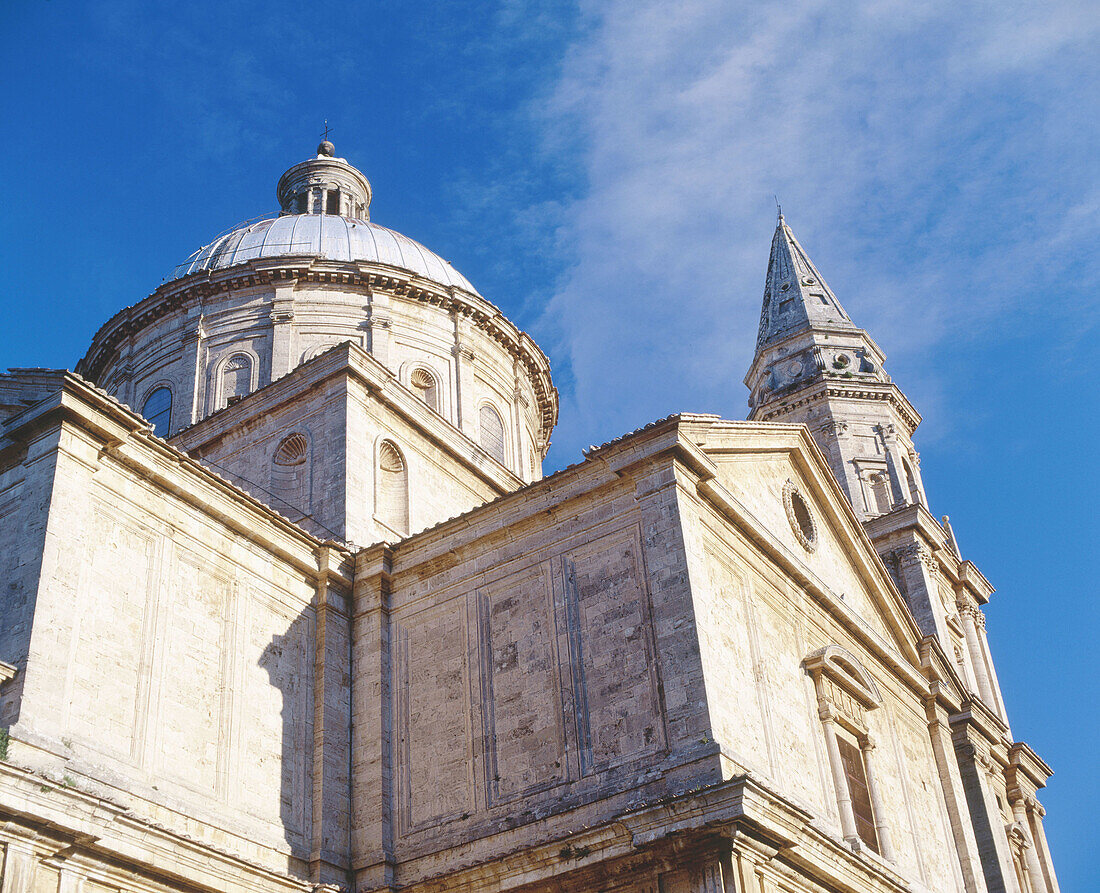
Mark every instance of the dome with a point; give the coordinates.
(326, 236)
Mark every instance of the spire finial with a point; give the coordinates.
(326, 147)
(778, 210)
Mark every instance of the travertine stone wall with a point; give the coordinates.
(26, 484)
(543, 668)
(171, 646)
(619, 637)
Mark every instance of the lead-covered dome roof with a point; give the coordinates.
(325, 214)
(326, 236)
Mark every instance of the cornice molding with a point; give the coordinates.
(821, 389)
(113, 832)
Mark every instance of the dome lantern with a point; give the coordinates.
(325, 185)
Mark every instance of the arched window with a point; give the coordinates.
(880, 494)
(393, 488)
(157, 410)
(236, 379)
(492, 432)
(424, 386)
(290, 476)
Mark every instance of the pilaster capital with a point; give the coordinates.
(834, 428)
(974, 613)
(973, 753)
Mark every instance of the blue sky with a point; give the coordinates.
(604, 172)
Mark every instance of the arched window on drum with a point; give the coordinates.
(491, 432)
(157, 410)
(392, 507)
(236, 378)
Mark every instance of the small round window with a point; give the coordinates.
(800, 516)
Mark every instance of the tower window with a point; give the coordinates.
(880, 495)
(302, 204)
(333, 205)
(911, 483)
(492, 432)
(157, 410)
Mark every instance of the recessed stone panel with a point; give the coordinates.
(433, 727)
(612, 651)
(521, 703)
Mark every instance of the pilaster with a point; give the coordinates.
(284, 332)
(976, 766)
(372, 858)
(194, 349)
(465, 394)
(331, 728)
(379, 325)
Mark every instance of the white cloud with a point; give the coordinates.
(929, 156)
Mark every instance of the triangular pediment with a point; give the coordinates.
(779, 485)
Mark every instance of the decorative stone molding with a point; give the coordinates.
(971, 752)
(974, 613)
(7, 672)
(845, 691)
(800, 517)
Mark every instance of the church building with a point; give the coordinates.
(287, 604)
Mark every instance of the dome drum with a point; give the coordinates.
(256, 303)
(284, 314)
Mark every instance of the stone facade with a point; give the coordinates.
(323, 636)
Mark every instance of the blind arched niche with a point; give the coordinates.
(392, 507)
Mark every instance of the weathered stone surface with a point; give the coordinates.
(322, 638)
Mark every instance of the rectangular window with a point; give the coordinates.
(333, 202)
(852, 758)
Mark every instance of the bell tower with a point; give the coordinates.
(814, 366)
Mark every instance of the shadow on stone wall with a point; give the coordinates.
(290, 661)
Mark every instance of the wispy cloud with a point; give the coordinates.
(936, 159)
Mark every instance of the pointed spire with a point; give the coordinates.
(796, 297)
